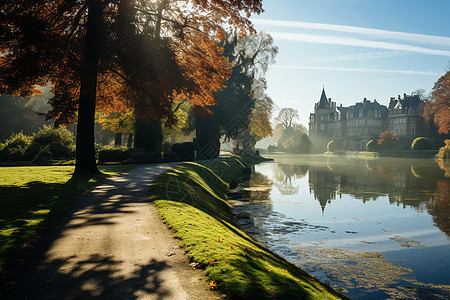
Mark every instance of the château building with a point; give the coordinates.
(355, 125)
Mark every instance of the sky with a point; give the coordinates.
(355, 49)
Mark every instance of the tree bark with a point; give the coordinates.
(130, 140)
(85, 150)
(118, 139)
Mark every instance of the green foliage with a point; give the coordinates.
(143, 157)
(334, 146)
(113, 154)
(388, 139)
(192, 200)
(297, 143)
(444, 152)
(43, 156)
(372, 145)
(148, 135)
(58, 140)
(19, 114)
(420, 143)
(15, 147)
(271, 148)
(185, 150)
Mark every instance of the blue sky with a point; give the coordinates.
(355, 48)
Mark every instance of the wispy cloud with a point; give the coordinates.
(364, 70)
(347, 41)
(405, 36)
(359, 56)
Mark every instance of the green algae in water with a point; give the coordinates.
(369, 274)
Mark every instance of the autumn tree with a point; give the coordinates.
(286, 117)
(438, 108)
(244, 109)
(119, 123)
(113, 53)
(388, 139)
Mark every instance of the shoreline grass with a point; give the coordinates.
(192, 201)
(30, 196)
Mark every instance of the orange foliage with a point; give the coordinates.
(165, 52)
(439, 106)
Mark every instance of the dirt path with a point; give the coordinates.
(113, 245)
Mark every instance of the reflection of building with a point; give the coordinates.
(357, 124)
(404, 182)
(322, 182)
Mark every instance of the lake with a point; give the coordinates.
(372, 229)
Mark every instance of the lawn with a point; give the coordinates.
(30, 195)
(192, 200)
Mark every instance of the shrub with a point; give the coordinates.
(143, 157)
(334, 146)
(298, 143)
(59, 141)
(388, 139)
(43, 156)
(15, 147)
(185, 150)
(444, 152)
(271, 148)
(372, 146)
(113, 154)
(420, 143)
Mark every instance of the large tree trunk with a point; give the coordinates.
(130, 140)
(85, 152)
(207, 136)
(118, 139)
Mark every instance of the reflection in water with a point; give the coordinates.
(407, 183)
(439, 206)
(374, 229)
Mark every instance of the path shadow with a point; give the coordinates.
(100, 206)
(93, 278)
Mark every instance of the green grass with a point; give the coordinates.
(192, 200)
(399, 153)
(29, 195)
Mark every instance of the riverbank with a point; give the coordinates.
(192, 201)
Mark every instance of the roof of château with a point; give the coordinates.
(365, 106)
(406, 102)
(409, 101)
(323, 103)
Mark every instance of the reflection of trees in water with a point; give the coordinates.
(256, 189)
(284, 175)
(444, 164)
(405, 182)
(439, 206)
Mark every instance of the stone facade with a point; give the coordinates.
(355, 125)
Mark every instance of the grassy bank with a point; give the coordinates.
(31, 195)
(192, 200)
(400, 153)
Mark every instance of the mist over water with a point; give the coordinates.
(374, 229)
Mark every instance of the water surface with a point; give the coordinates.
(373, 229)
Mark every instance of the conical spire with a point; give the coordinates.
(323, 103)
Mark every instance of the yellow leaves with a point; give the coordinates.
(213, 285)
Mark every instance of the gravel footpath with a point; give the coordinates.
(113, 245)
